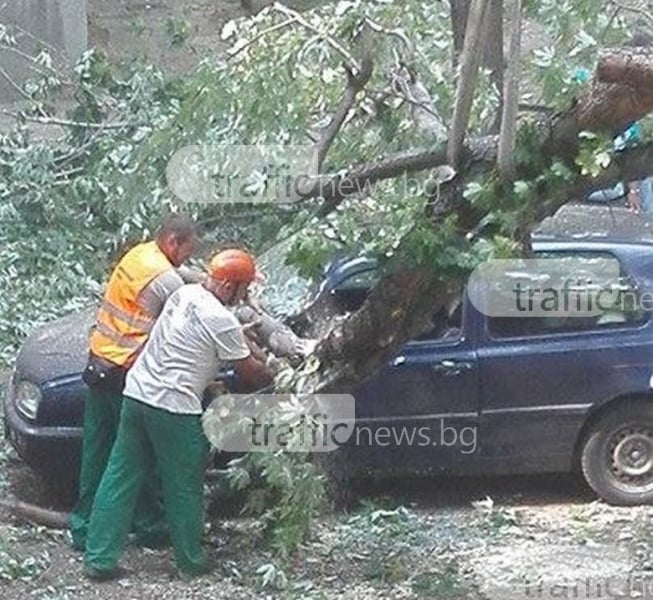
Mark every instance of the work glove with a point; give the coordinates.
(305, 346)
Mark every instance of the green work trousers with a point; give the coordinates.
(151, 439)
(101, 418)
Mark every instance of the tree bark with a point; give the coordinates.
(629, 66)
(493, 58)
(470, 62)
(505, 161)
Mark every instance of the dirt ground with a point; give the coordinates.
(140, 29)
(456, 539)
(446, 539)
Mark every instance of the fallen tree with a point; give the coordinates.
(405, 298)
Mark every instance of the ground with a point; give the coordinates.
(446, 539)
(544, 537)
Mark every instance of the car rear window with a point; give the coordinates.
(627, 308)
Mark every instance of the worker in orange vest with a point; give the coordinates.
(136, 293)
(161, 421)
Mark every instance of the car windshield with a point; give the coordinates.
(284, 291)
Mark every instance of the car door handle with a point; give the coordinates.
(452, 368)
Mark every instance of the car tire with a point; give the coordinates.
(617, 456)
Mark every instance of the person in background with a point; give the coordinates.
(640, 196)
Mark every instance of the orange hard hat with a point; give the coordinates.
(233, 265)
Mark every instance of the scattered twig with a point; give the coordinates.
(634, 9)
(613, 16)
(260, 35)
(541, 108)
(410, 48)
(402, 96)
(31, 60)
(328, 38)
(14, 85)
(67, 123)
(81, 150)
(36, 514)
(64, 175)
(41, 42)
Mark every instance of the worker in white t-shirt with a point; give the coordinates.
(160, 424)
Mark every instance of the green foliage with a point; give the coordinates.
(13, 567)
(385, 538)
(572, 31)
(284, 490)
(178, 30)
(445, 583)
(271, 576)
(595, 153)
(70, 203)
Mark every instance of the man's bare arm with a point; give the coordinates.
(253, 372)
(190, 275)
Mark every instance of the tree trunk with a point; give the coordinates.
(493, 58)
(633, 66)
(505, 161)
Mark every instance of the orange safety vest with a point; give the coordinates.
(122, 325)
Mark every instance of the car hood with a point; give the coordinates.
(56, 349)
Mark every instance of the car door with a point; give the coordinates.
(420, 413)
(540, 377)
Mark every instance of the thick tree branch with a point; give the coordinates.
(36, 514)
(470, 62)
(506, 162)
(355, 346)
(355, 83)
(480, 152)
(629, 66)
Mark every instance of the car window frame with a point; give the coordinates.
(452, 343)
(615, 327)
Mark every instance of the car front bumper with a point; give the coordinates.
(53, 452)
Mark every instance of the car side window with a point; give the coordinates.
(446, 323)
(624, 309)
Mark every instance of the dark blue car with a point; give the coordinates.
(473, 395)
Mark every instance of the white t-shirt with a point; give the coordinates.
(193, 334)
(154, 295)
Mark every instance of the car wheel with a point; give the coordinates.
(617, 456)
